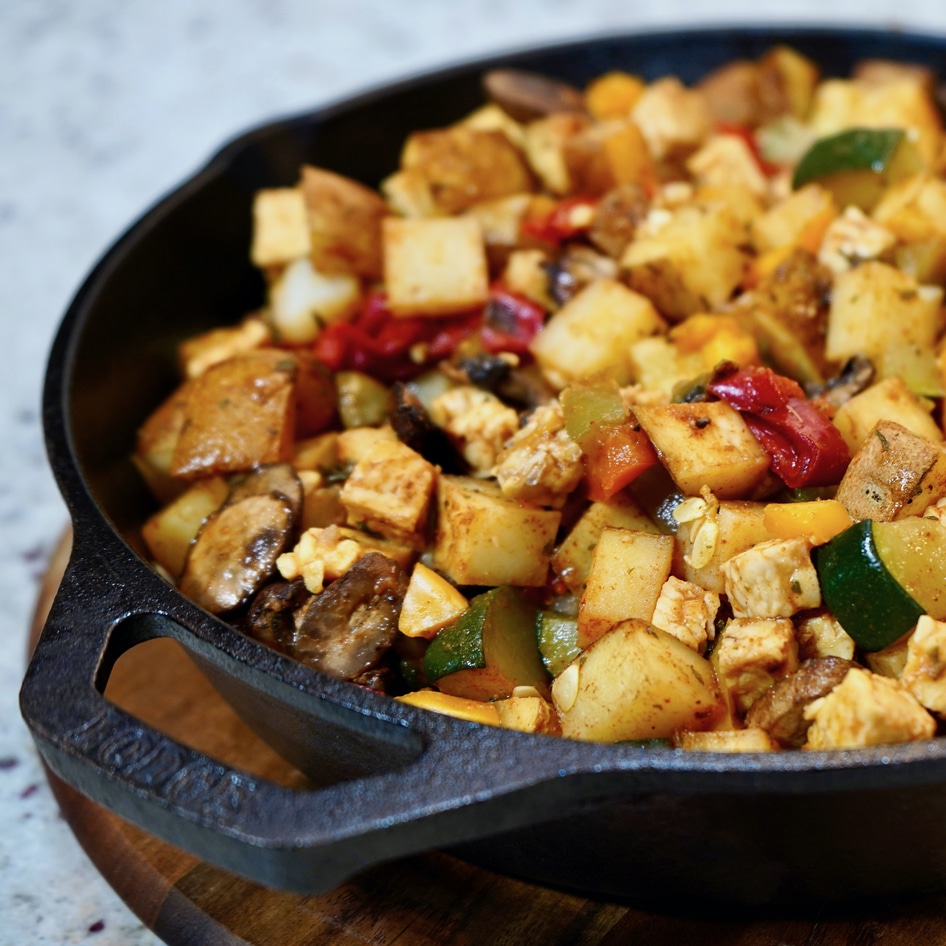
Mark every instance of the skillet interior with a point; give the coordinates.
(183, 267)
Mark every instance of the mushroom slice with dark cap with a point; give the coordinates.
(279, 478)
(780, 711)
(347, 628)
(235, 552)
(525, 95)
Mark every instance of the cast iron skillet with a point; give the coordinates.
(651, 826)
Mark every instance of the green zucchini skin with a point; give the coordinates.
(857, 149)
(860, 592)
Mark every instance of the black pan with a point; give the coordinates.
(657, 827)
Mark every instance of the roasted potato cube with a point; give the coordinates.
(800, 218)
(199, 352)
(280, 228)
(751, 739)
(628, 570)
(592, 332)
(430, 603)
(238, 414)
(705, 444)
(407, 193)
(156, 441)
(605, 155)
(572, 559)
(168, 534)
(483, 538)
(903, 103)
(344, 219)
(674, 120)
(528, 714)
(889, 399)
(924, 673)
(725, 161)
(545, 143)
(389, 492)
(894, 474)
(692, 263)
(302, 300)
(636, 682)
(434, 266)
(464, 165)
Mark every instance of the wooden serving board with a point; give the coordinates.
(420, 901)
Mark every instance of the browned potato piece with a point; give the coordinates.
(464, 166)
(894, 474)
(238, 414)
(156, 442)
(344, 222)
(434, 266)
(605, 155)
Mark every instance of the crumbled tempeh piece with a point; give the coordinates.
(852, 238)
(772, 579)
(540, 463)
(478, 421)
(687, 611)
(752, 653)
(866, 710)
(924, 673)
(821, 635)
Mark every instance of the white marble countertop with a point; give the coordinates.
(105, 105)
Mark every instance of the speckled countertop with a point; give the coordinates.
(105, 105)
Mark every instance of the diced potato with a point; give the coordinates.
(528, 714)
(894, 474)
(725, 160)
(156, 441)
(675, 120)
(316, 453)
(636, 682)
(303, 300)
(280, 227)
(606, 155)
(793, 75)
(500, 221)
(434, 266)
(545, 143)
(238, 414)
(197, 353)
(389, 492)
(628, 570)
(483, 538)
(799, 219)
(464, 165)
(354, 443)
(889, 399)
(344, 219)
(881, 312)
(430, 603)
(321, 502)
(408, 194)
(169, 533)
(914, 210)
(526, 274)
(491, 117)
(890, 661)
(705, 444)
(848, 103)
(751, 739)
(659, 365)
(572, 559)
(592, 332)
(692, 263)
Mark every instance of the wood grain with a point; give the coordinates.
(420, 901)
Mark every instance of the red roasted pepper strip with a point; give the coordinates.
(510, 321)
(616, 457)
(805, 447)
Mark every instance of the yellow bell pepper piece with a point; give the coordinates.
(820, 520)
(613, 95)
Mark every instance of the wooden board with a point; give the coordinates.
(425, 900)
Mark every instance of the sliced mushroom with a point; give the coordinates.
(346, 629)
(522, 388)
(271, 616)
(780, 711)
(617, 217)
(278, 478)
(235, 552)
(413, 426)
(855, 376)
(525, 96)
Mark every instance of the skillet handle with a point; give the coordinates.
(460, 785)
